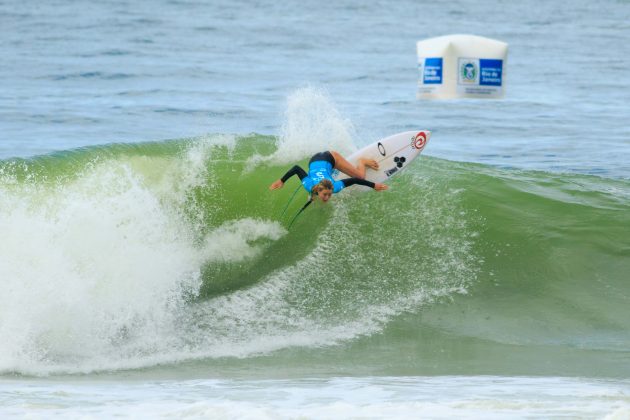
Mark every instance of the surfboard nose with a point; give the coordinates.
(420, 139)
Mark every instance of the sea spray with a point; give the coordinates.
(97, 266)
(88, 263)
(312, 123)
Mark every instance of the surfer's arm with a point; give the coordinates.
(358, 181)
(296, 170)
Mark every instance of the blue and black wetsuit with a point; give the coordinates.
(320, 167)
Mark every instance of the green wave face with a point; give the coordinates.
(132, 256)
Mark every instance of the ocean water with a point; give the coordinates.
(146, 270)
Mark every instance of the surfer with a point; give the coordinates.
(319, 181)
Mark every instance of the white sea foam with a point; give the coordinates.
(312, 123)
(472, 397)
(86, 263)
(232, 241)
(96, 271)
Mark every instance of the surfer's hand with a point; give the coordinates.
(276, 185)
(380, 187)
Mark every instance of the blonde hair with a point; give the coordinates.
(324, 184)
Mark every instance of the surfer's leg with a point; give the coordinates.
(349, 169)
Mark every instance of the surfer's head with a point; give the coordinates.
(323, 190)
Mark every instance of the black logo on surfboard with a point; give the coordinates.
(399, 161)
(381, 148)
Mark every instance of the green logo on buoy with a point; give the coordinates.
(468, 72)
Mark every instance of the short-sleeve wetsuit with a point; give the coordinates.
(321, 167)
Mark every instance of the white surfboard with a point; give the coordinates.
(392, 153)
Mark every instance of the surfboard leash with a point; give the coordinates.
(308, 203)
(290, 200)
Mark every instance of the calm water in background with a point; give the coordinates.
(77, 74)
(81, 73)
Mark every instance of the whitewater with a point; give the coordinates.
(146, 269)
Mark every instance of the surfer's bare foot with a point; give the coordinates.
(370, 163)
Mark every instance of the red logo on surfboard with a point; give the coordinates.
(419, 141)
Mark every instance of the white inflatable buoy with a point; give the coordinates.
(461, 66)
